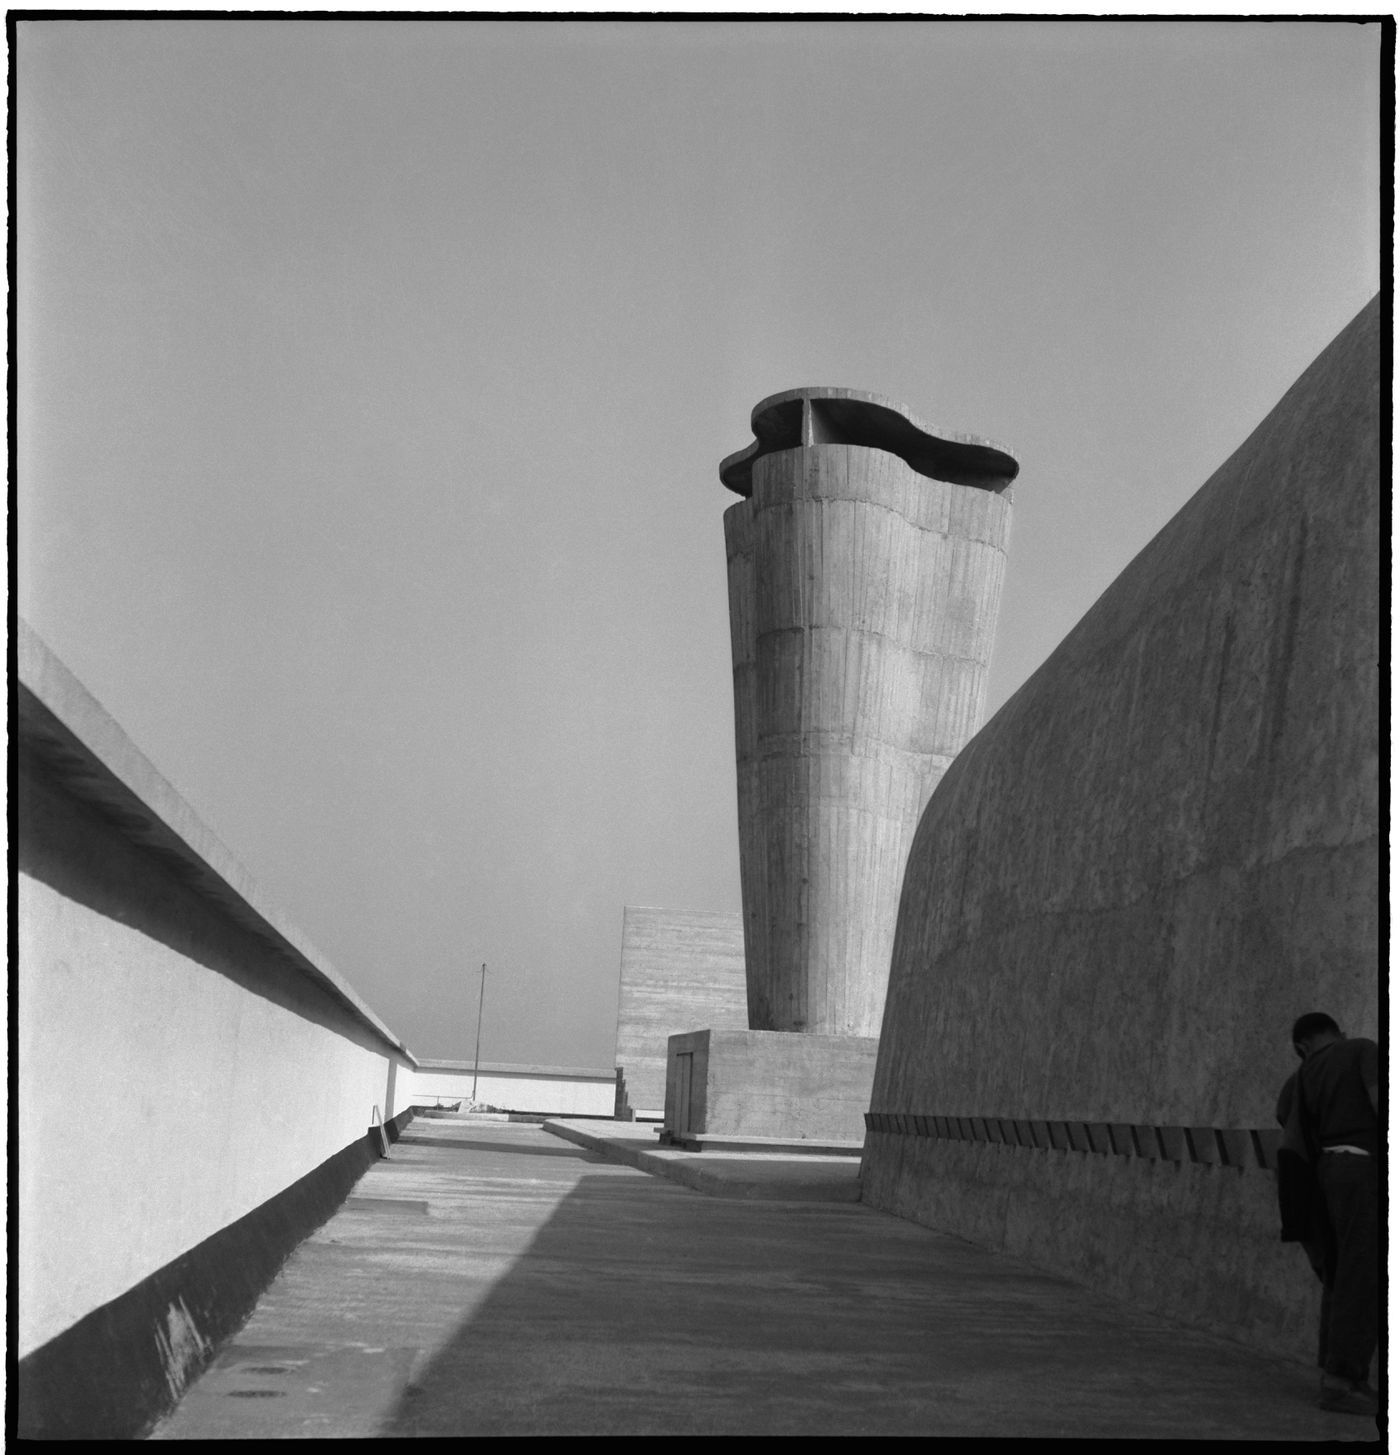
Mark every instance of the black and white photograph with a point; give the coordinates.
(696, 720)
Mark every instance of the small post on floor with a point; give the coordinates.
(480, 1006)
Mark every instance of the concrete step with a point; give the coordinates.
(772, 1176)
(703, 1142)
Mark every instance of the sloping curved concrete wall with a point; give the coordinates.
(184, 1060)
(1162, 850)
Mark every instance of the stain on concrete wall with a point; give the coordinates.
(183, 1348)
(682, 970)
(1162, 849)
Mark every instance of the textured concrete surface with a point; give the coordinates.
(682, 969)
(769, 1084)
(863, 595)
(498, 1281)
(1163, 849)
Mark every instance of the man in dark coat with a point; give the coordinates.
(1335, 1095)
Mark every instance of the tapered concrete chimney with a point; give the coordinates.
(865, 573)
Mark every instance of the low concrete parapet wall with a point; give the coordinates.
(565, 1091)
(229, 1084)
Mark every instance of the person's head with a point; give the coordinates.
(1313, 1030)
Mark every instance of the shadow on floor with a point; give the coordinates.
(642, 1308)
(463, 1144)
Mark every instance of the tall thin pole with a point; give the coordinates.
(480, 1005)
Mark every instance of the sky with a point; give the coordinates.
(373, 377)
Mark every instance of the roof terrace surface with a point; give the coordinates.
(813, 415)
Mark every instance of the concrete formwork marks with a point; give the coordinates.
(682, 970)
(863, 601)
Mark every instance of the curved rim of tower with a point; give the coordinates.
(858, 417)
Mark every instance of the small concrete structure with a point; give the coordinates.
(865, 568)
(1164, 848)
(681, 969)
(760, 1084)
(566, 1091)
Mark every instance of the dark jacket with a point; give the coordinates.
(1302, 1208)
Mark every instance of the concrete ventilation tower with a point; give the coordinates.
(865, 570)
(865, 573)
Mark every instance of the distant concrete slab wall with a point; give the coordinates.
(556, 1090)
(1163, 849)
(186, 1061)
(682, 970)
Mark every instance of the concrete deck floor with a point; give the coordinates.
(498, 1280)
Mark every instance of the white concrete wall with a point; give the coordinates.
(159, 1101)
(560, 1091)
(181, 1058)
